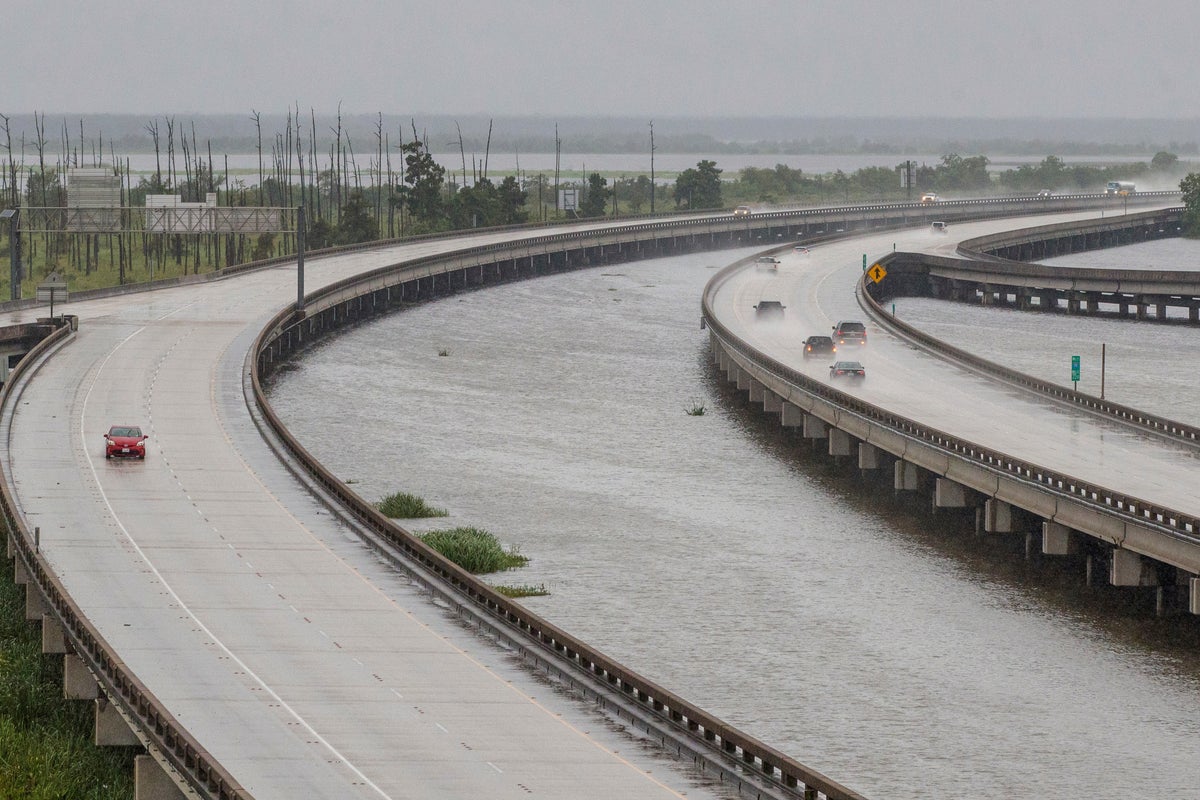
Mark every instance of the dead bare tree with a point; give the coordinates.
(254, 115)
(152, 129)
(379, 168)
(463, 153)
(487, 149)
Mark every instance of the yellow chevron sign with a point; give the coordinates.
(877, 273)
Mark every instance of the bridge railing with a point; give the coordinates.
(1171, 522)
(155, 723)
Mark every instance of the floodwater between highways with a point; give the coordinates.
(900, 655)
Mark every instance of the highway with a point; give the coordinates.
(816, 289)
(303, 662)
(290, 650)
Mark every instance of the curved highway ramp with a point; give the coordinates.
(306, 665)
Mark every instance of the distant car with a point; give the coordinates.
(937, 227)
(801, 249)
(930, 197)
(769, 308)
(742, 211)
(851, 370)
(819, 345)
(1045, 193)
(125, 441)
(766, 262)
(849, 332)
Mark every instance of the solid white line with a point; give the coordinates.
(493, 766)
(170, 590)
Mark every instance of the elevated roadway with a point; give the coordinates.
(909, 382)
(304, 664)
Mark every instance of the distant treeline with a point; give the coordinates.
(236, 133)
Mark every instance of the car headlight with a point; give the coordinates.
(110, 443)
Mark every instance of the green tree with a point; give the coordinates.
(511, 200)
(426, 179)
(1190, 186)
(355, 223)
(595, 198)
(699, 187)
(1163, 161)
(957, 172)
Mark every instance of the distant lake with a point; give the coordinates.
(666, 165)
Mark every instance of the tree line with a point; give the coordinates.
(391, 186)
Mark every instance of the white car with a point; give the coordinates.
(767, 262)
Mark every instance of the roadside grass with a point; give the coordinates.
(474, 549)
(697, 410)
(402, 505)
(46, 748)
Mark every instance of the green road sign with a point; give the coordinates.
(1075, 368)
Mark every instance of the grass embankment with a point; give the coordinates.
(403, 505)
(473, 549)
(479, 552)
(46, 748)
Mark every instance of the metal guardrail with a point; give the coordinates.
(1170, 521)
(155, 722)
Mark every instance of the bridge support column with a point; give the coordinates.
(111, 729)
(54, 639)
(1160, 311)
(1141, 308)
(792, 417)
(907, 476)
(20, 574)
(1128, 569)
(1193, 314)
(868, 456)
(78, 683)
(997, 516)
(1092, 303)
(948, 494)
(840, 443)
(743, 379)
(815, 427)
(35, 606)
(1194, 595)
(152, 782)
(756, 391)
(772, 403)
(1057, 540)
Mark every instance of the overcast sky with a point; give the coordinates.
(1017, 58)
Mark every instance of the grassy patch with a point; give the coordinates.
(443, 352)
(474, 549)
(46, 745)
(403, 505)
(697, 410)
(522, 590)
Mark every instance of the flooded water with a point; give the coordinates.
(901, 655)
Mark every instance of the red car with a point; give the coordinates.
(125, 441)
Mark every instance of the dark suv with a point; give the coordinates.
(819, 346)
(848, 332)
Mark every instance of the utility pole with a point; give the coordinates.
(651, 166)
